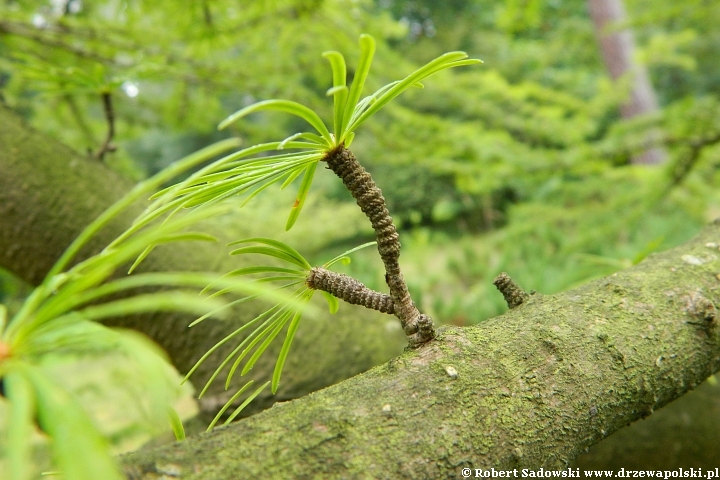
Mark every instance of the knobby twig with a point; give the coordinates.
(348, 289)
(417, 326)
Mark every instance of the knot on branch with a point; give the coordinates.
(421, 331)
(700, 307)
(513, 293)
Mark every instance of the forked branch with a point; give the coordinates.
(417, 326)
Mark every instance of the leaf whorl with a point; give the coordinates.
(348, 289)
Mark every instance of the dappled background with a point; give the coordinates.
(546, 162)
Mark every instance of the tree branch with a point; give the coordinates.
(348, 289)
(31, 33)
(684, 164)
(48, 193)
(533, 387)
(107, 145)
(418, 327)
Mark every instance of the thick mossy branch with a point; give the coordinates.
(348, 289)
(534, 387)
(418, 327)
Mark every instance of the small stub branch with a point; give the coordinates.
(513, 293)
(107, 145)
(417, 327)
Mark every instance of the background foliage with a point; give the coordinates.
(520, 165)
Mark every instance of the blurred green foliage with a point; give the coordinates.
(521, 165)
(531, 142)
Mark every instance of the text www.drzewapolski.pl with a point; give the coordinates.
(577, 473)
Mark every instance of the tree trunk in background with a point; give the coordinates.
(617, 49)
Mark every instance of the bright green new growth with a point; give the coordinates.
(269, 324)
(231, 176)
(61, 313)
(176, 424)
(60, 316)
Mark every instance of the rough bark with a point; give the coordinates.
(531, 388)
(684, 434)
(48, 193)
(618, 48)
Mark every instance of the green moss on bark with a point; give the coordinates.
(534, 387)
